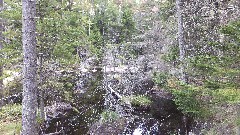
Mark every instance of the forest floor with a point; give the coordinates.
(10, 127)
(10, 119)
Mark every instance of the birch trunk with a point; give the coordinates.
(29, 103)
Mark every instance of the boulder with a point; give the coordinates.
(12, 99)
(58, 119)
(162, 104)
(108, 128)
(143, 86)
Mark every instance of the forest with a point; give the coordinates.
(119, 67)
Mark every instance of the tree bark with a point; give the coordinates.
(238, 117)
(181, 39)
(41, 107)
(1, 47)
(182, 54)
(41, 90)
(29, 103)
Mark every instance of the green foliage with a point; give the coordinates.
(138, 100)
(10, 128)
(10, 119)
(167, 9)
(13, 82)
(199, 101)
(141, 100)
(238, 121)
(160, 79)
(39, 120)
(228, 95)
(232, 31)
(115, 26)
(97, 42)
(173, 55)
(68, 95)
(109, 116)
(11, 52)
(212, 85)
(129, 51)
(11, 111)
(63, 28)
(62, 32)
(106, 20)
(189, 102)
(219, 70)
(128, 24)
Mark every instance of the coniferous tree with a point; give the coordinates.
(29, 110)
(180, 39)
(1, 46)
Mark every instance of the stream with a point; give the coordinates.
(162, 118)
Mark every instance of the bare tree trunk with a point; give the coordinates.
(41, 107)
(41, 90)
(238, 116)
(182, 53)
(1, 47)
(181, 39)
(29, 103)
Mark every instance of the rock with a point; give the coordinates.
(108, 128)
(122, 126)
(142, 126)
(58, 108)
(13, 99)
(58, 119)
(162, 104)
(143, 86)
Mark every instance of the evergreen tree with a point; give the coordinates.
(29, 103)
(1, 47)
(181, 44)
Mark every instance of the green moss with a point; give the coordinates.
(68, 95)
(238, 121)
(108, 116)
(139, 100)
(160, 79)
(228, 95)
